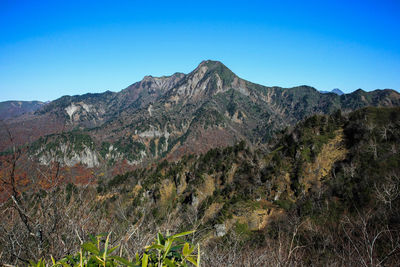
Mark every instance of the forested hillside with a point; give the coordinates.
(325, 192)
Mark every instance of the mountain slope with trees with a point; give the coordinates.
(325, 192)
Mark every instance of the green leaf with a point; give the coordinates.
(90, 247)
(167, 247)
(98, 259)
(169, 263)
(93, 238)
(177, 247)
(53, 260)
(106, 247)
(64, 261)
(145, 260)
(111, 250)
(182, 234)
(192, 260)
(160, 239)
(137, 257)
(155, 246)
(122, 260)
(185, 250)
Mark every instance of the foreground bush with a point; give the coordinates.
(169, 251)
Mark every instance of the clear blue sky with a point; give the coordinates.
(54, 48)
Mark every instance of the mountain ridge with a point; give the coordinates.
(14, 108)
(169, 116)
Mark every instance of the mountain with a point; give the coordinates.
(12, 109)
(171, 116)
(335, 91)
(318, 193)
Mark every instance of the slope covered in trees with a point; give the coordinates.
(326, 192)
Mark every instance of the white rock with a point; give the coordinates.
(220, 229)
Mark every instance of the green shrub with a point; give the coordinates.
(169, 251)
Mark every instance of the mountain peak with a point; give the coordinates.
(337, 91)
(334, 91)
(211, 63)
(216, 68)
(147, 78)
(209, 78)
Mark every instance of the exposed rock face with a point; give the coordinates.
(331, 152)
(220, 229)
(81, 111)
(85, 157)
(71, 110)
(68, 151)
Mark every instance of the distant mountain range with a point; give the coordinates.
(335, 91)
(171, 116)
(11, 109)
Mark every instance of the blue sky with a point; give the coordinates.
(54, 48)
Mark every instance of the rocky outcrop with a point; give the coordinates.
(66, 157)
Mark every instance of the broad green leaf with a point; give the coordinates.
(145, 260)
(137, 257)
(93, 238)
(177, 247)
(169, 263)
(122, 260)
(64, 261)
(185, 250)
(89, 246)
(192, 260)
